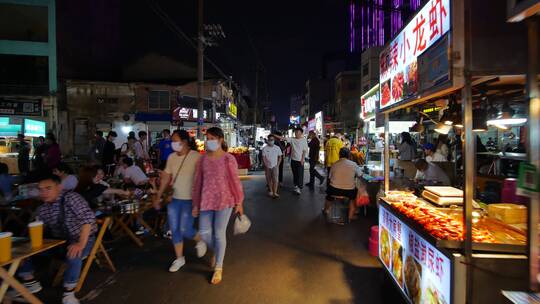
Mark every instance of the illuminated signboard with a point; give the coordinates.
(10, 130)
(398, 61)
(232, 109)
(294, 119)
(181, 113)
(4, 121)
(34, 128)
(311, 124)
(422, 272)
(368, 103)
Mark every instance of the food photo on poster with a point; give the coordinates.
(422, 272)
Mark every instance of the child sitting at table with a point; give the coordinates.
(67, 216)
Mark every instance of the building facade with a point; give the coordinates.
(320, 96)
(370, 68)
(28, 66)
(348, 92)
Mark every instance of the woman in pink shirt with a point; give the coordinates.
(216, 191)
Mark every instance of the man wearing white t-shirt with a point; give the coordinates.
(272, 158)
(133, 174)
(299, 151)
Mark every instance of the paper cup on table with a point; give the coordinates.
(35, 230)
(5, 246)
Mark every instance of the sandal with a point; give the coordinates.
(217, 276)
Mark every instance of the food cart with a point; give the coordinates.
(432, 252)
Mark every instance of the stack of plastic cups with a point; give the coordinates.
(374, 241)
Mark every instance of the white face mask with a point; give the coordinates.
(212, 145)
(271, 142)
(177, 146)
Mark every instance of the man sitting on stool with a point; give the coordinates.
(342, 181)
(65, 215)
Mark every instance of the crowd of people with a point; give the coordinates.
(190, 185)
(343, 173)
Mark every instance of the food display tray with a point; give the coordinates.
(448, 244)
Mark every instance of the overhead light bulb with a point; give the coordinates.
(443, 128)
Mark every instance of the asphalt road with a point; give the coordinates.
(290, 255)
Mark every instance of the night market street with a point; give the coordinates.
(290, 255)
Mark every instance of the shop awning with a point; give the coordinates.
(143, 116)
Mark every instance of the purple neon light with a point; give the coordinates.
(351, 27)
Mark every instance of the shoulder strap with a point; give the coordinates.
(180, 168)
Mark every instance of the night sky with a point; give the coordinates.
(289, 38)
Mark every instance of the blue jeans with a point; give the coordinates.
(180, 220)
(73, 266)
(213, 230)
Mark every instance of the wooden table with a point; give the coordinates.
(122, 221)
(20, 252)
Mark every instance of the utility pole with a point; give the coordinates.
(256, 94)
(200, 70)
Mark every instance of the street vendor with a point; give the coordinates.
(428, 171)
(65, 215)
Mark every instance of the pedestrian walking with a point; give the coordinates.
(39, 154)
(54, 155)
(331, 151)
(109, 153)
(96, 151)
(141, 150)
(314, 148)
(280, 142)
(272, 157)
(216, 191)
(299, 151)
(23, 158)
(165, 148)
(128, 148)
(180, 172)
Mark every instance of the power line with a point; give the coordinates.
(182, 35)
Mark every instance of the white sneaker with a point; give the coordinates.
(177, 264)
(32, 285)
(70, 298)
(201, 248)
(297, 190)
(270, 193)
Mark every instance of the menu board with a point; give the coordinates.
(398, 61)
(421, 271)
(369, 103)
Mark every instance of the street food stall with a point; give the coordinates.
(31, 129)
(444, 244)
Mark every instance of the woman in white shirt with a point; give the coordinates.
(69, 181)
(180, 171)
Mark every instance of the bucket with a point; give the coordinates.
(373, 247)
(375, 233)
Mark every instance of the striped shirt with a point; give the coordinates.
(76, 214)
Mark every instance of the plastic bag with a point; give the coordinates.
(241, 224)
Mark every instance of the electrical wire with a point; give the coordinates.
(183, 36)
